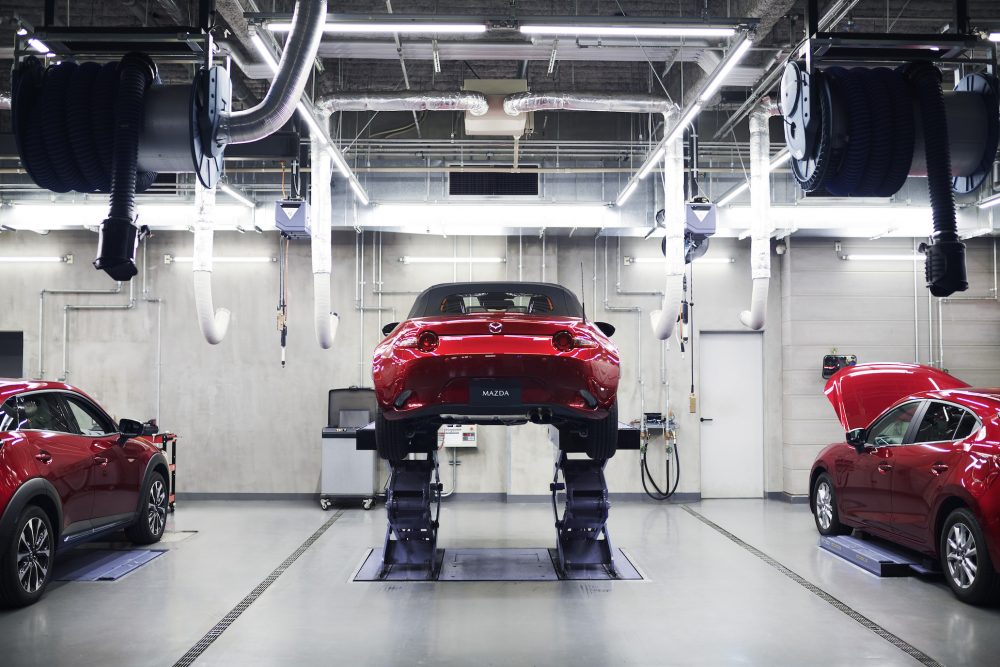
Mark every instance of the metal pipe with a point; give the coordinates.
(472, 102)
(664, 319)
(68, 308)
(278, 105)
(519, 103)
(41, 317)
(608, 307)
(916, 309)
(325, 320)
(760, 204)
(618, 284)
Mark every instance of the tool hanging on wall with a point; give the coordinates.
(283, 293)
(689, 309)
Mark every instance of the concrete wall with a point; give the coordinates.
(250, 426)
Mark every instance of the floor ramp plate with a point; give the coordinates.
(504, 564)
(95, 565)
(879, 558)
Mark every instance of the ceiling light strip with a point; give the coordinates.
(715, 81)
(407, 259)
(781, 158)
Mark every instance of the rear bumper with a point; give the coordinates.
(464, 412)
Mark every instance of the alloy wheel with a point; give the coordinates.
(156, 516)
(960, 551)
(824, 505)
(34, 555)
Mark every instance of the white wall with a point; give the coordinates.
(249, 426)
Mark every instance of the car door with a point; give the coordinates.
(866, 494)
(115, 476)
(922, 466)
(61, 457)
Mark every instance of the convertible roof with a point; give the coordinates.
(564, 301)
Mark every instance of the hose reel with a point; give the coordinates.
(862, 131)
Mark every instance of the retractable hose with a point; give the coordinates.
(649, 481)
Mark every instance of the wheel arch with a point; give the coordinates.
(813, 476)
(157, 463)
(39, 492)
(947, 506)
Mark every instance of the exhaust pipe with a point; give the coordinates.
(214, 323)
(664, 319)
(326, 321)
(760, 206)
(475, 103)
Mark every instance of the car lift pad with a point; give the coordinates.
(97, 565)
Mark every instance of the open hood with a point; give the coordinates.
(861, 393)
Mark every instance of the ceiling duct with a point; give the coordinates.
(526, 102)
(471, 102)
(496, 123)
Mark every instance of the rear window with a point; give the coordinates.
(524, 298)
(528, 303)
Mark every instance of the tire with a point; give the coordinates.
(965, 559)
(31, 546)
(602, 438)
(824, 504)
(390, 438)
(152, 520)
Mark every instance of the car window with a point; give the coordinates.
(8, 415)
(943, 423)
(89, 420)
(43, 412)
(891, 428)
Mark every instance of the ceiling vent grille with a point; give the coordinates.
(492, 184)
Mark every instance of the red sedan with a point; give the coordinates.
(496, 353)
(919, 468)
(68, 474)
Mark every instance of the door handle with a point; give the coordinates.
(705, 419)
(101, 460)
(44, 456)
(939, 468)
(884, 467)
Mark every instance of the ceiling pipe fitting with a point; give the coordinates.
(214, 323)
(472, 102)
(760, 209)
(321, 205)
(664, 319)
(262, 120)
(519, 103)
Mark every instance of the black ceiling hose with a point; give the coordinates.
(54, 110)
(119, 235)
(849, 88)
(903, 131)
(944, 267)
(102, 113)
(80, 130)
(881, 136)
(27, 123)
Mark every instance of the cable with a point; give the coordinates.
(647, 476)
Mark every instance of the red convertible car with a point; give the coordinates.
(68, 474)
(919, 468)
(496, 353)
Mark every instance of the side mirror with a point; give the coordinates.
(128, 428)
(388, 328)
(856, 438)
(607, 329)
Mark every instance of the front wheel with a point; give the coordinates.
(152, 520)
(965, 559)
(824, 504)
(26, 560)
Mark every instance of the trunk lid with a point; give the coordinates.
(861, 393)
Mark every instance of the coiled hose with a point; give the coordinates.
(77, 128)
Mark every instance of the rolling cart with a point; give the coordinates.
(348, 474)
(167, 442)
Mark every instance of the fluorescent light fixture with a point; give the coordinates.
(627, 30)
(43, 215)
(627, 192)
(22, 31)
(781, 158)
(994, 37)
(975, 233)
(651, 162)
(720, 75)
(237, 195)
(65, 259)
(663, 260)
(264, 52)
(909, 257)
(990, 202)
(385, 27)
(359, 191)
(176, 259)
(406, 259)
(38, 45)
(486, 218)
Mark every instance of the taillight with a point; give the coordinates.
(427, 342)
(562, 341)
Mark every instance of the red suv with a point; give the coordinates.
(919, 467)
(68, 474)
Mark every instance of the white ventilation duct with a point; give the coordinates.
(321, 206)
(527, 102)
(472, 102)
(760, 209)
(214, 323)
(675, 211)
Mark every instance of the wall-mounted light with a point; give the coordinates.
(662, 260)
(406, 259)
(623, 30)
(406, 27)
(237, 195)
(64, 259)
(180, 259)
(904, 257)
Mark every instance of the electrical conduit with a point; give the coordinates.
(663, 320)
(321, 205)
(214, 323)
(760, 207)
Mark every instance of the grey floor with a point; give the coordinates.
(705, 601)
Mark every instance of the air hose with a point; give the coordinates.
(649, 481)
(944, 268)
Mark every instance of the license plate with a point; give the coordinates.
(494, 392)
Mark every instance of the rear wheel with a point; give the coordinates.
(966, 560)
(391, 440)
(152, 519)
(26, 559)
(602, 437)
(824, 504)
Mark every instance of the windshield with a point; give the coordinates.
(452, 299)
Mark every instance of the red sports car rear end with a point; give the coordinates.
(496, 353)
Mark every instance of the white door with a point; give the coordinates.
(732, 415)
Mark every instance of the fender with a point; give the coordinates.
(156, 459)
(33, 488)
